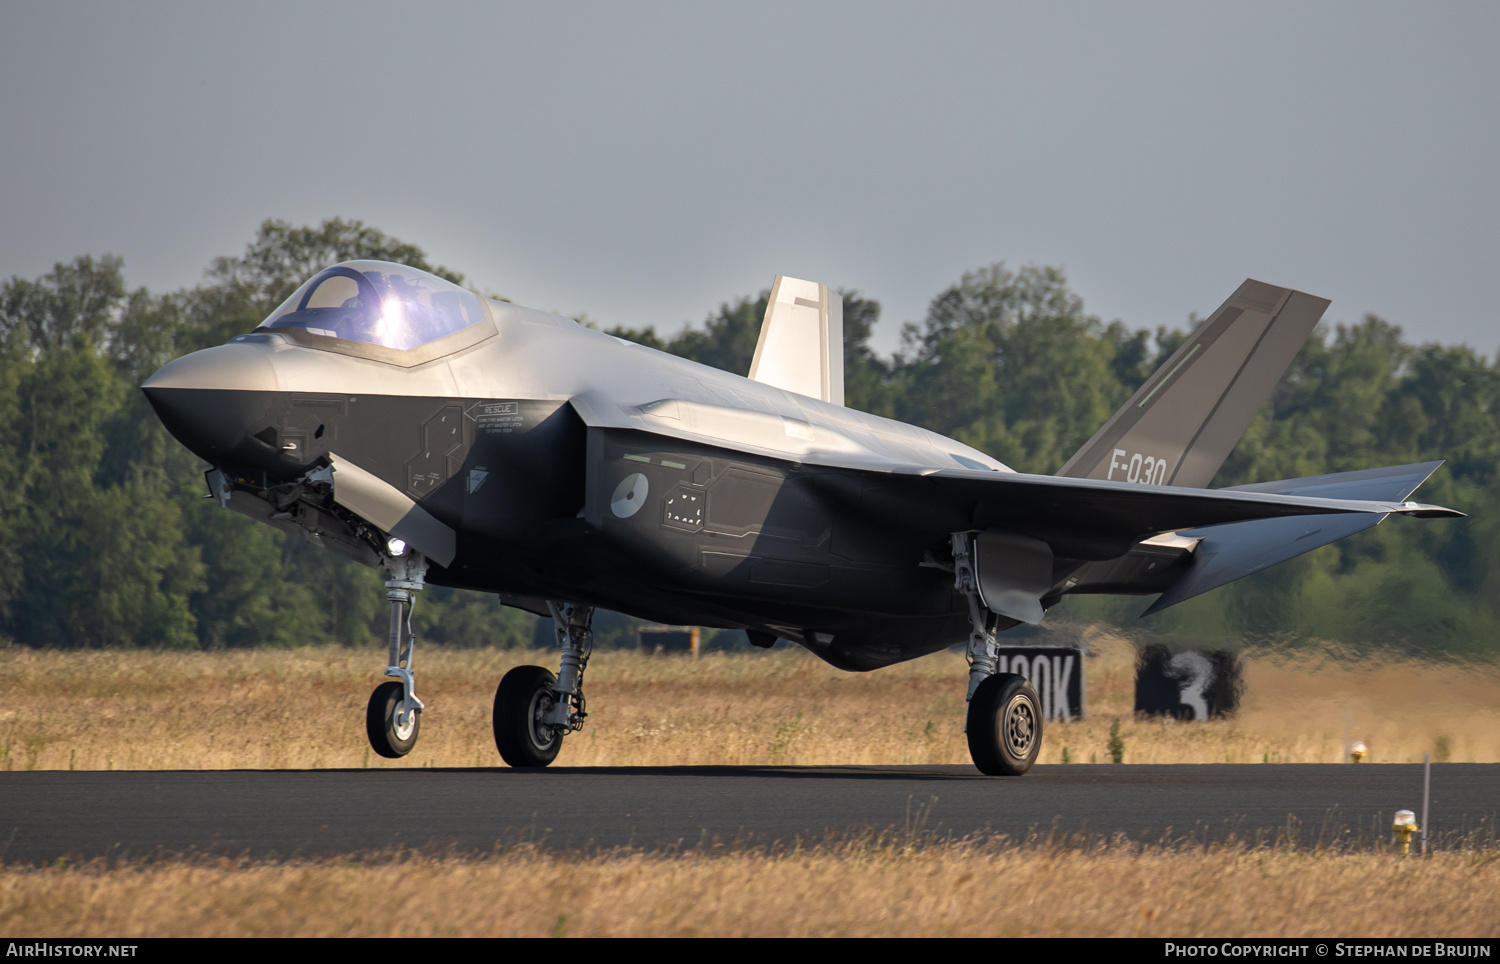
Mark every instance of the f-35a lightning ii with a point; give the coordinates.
(404, 422)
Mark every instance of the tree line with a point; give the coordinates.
(107, 540)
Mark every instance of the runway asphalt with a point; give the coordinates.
(48, 815)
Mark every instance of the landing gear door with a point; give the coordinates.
(1013, 572)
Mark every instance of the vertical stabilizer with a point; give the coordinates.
(1183, 423)
(801, 346)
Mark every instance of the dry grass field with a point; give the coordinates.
(873, 889)
(305, 708)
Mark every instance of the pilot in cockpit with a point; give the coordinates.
(378, 303)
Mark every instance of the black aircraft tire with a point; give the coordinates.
(524, 694)
(380, 722)
(1004, 725)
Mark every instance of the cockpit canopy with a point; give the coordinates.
(378, 303)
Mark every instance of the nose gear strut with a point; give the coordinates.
(394, 713)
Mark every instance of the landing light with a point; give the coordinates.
(395, 546)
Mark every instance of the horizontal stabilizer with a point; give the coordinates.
(1229, 552)
(1390, 484)
(1186, 418)
(801, 345)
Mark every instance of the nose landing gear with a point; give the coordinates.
(390, 725)
(534, 710)
(394, 715)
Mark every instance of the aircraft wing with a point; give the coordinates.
(1032, 530)
(1102, 519)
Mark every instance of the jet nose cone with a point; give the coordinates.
(210, 399)
(245, 366)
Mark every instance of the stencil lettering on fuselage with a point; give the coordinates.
(496, 418)
(683, 508)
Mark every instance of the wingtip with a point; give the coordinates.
(1420, 511)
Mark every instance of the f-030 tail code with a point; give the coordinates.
(1135, 467)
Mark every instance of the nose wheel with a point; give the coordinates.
(390, 723)
(394, 715)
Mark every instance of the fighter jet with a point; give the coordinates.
(413, 426)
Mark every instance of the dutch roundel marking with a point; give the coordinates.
(629, 496)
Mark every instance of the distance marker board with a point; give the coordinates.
(1057, 674)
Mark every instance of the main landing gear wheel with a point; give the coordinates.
(527, 694)
(391, 727)
(1004, 725)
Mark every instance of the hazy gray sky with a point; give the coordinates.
(643, 162)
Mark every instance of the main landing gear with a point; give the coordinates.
(534, 710)
(394, 715)
(1004, 722)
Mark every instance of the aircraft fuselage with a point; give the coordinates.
(522, 443)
